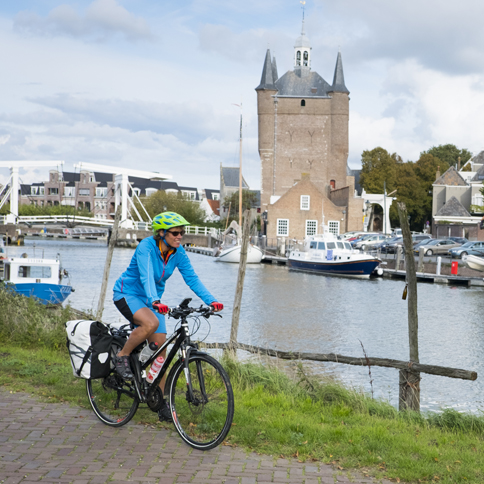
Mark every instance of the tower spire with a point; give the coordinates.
(302, 50)
(267, 79)
(339, 78)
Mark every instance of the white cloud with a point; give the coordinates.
(103, 19)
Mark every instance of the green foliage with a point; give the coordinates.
(161, 201)
(448, 154)
(249, 200)
(378, 166)
(27, 323)
(27, 209)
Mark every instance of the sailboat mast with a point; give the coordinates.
(240, 171)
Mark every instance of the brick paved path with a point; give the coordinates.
(56, 443)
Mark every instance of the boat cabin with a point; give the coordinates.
(20, 270)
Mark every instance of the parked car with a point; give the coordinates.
(388, 246)
(369, 242)
(417, 238)
(437, 246)
(473, 248)
(362, 237)
(460, 240)
(351, 235)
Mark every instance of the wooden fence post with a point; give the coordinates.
(107, 264)
(240, 279)
(410, 380)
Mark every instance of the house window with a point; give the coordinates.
(305, 202)
(102, 192)
(311, 227)
(303, 103)
(150, 191)
(333, 226)
(53, 191)
(283, 227)
(84, 192)
(137, 191)
(215, 196)
(69, 192)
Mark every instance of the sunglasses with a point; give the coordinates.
(176, 233)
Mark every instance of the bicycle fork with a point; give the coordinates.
(190, 395)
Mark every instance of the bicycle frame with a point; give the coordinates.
(181, 341)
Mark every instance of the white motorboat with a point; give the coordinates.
(37, 278)
(326, 254)
(474, 262)
(232, 254)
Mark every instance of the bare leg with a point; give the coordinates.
(147, 324)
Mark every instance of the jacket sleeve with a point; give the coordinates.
(193, 282)
(146, 273)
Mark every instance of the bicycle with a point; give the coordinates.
(199, 391)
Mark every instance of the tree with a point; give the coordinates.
(378, 166)
(449, 154)
(249, 200)
(411, 192)
(161, 201)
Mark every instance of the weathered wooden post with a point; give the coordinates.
(240, 279)
(398, 250)
(420, 259)
(107, 264)
(410, 379)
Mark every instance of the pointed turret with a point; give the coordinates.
(267, 79)
(274, 70)
(339, 78)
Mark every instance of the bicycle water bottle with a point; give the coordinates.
(147, 351)
(155, 369)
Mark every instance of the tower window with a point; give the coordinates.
(332, 183)
(303, 102)
(298, 58)
(306, 58)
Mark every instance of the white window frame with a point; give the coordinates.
(101, 192)
(150, 191)
(69, 192)
(311, 227)
(333, 227)
(84, 192)
(283, 223)
(215, 196)
(305, 202)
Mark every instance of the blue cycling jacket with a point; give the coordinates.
(147, 273)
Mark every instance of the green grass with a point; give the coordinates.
(280, 412)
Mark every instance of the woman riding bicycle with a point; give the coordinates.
(137, 293)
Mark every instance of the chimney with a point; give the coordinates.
(458, 163)
(437, 175)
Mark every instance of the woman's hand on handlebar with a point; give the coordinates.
(217, 306)
(161, 308)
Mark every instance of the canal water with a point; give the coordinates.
(294, 311)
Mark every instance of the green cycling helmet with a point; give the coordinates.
(167, 220)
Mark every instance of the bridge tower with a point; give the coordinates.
(13, 183)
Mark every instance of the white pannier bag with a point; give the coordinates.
(89, 345)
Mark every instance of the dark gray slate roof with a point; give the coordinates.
(453, 208)
(339, 78)
(24, 189)
(275, 76)
(231, 177)
(451, 178)
(479, 176)
(209, 193)
(479, 158)
(312, 85)
(267, 79)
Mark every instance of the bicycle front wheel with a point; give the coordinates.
(113, 399)
(203, 416)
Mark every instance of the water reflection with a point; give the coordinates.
(304, 312)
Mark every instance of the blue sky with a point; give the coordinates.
(152, 85)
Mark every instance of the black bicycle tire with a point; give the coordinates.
(175, 373)
(102, 415)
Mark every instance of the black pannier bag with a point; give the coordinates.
(89, 345)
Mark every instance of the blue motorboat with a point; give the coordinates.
(37, 278)
(326, 254)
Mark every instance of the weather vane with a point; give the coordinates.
(303, 3)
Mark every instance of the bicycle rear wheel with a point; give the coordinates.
(113, 399)
(203, 421)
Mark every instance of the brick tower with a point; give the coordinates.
(303, 125)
